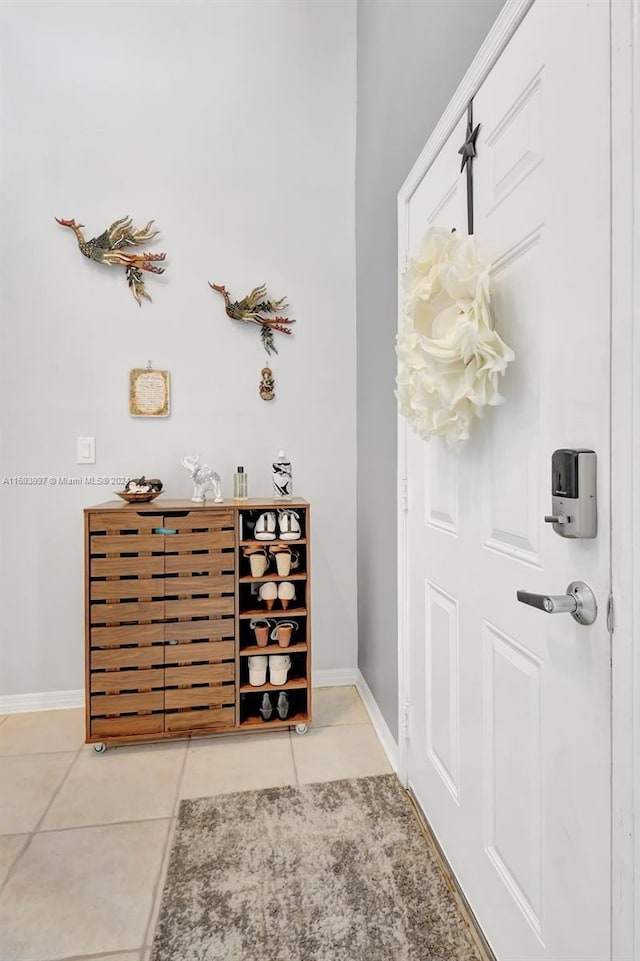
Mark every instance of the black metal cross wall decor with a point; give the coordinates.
(468, 152)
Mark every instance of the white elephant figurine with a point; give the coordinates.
(204, 480)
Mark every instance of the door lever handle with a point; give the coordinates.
(579, 601)
(551, 603)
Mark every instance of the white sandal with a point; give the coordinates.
(265, 529)
(289, 524)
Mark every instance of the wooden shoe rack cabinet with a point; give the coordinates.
(169, 601)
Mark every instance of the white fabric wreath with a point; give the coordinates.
(448, 352)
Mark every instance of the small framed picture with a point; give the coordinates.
(148, 392)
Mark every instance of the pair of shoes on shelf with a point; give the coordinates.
(261, 629)
(286, 559)
(260, 557)
(275, 711)
(269, 591)
(279, 665)
(288, 523)
(279, 631)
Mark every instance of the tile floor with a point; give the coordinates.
(85, 838)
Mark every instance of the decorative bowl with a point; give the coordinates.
(143, 498)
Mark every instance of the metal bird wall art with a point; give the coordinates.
(107, 249)
(251, 310)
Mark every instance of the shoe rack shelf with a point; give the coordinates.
(295, 684)
(272, 577)
(169, 603)
(272, 649)
(260, 612)
(252, 543)
(256, 723)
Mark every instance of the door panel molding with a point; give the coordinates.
(441, 494)
(520, 121)
(513, 510)
(448, 197)
(507, 760)
(442, 697)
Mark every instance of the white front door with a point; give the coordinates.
(509, 733)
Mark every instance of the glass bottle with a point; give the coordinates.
(282, 477)
(240, 486)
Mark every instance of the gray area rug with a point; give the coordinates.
(338, 871)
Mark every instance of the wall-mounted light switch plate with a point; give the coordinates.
(86, 450)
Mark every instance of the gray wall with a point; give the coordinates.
(240, 141)
(411, 56)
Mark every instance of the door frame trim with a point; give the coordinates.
(625, 477)
(625, 451)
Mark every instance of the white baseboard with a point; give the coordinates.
(379, 724)
(43, 701)
(335, 678)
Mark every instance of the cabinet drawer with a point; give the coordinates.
(140, 634)
(109, 682)
(186, 585)
(126, 543)
(119, 613)
(213, 629)
(200, 674)
(213, 562)
(196, 607)
(102, 704)
(131, 724)
(148, 587)
(199, 651)
(121, 589)
(123, 520)
(199, 696)
(125, 657)
(203, 541)
(206, 720)
(119, 566)
(210, 520)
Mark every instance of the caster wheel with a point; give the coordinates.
(99, 748)
(301, 728)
